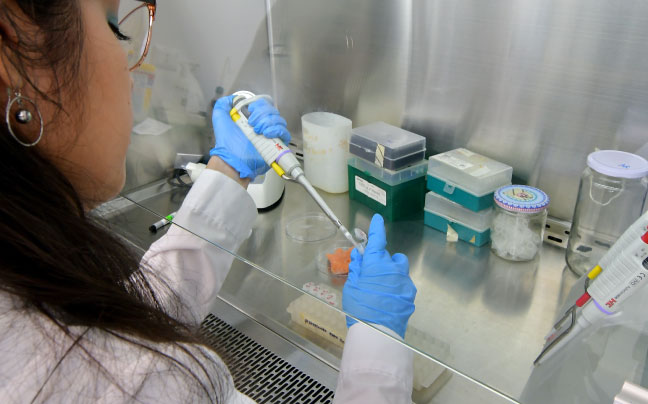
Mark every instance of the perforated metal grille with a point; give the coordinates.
(257, 372)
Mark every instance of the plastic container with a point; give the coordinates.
(472, 227)
(387, 146)
(467, 178)
(393, 194)
(518, 222)
(611, 195)
(326, 150)
(143, 79)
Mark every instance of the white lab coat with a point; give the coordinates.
(374, 369)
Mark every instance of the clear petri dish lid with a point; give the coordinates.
(310, 228)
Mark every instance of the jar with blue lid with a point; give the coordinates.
(518, 222)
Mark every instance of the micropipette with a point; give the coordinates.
(280, 158)
(626, 272)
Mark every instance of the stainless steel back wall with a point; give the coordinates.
(535, 84)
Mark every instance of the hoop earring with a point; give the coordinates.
(22, 116)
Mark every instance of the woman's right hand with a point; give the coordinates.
(231, 144)
(379, 289)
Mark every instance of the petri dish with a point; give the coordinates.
(310, 228)
(322, 261)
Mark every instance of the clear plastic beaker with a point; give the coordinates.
(326, 150)
(611, 197)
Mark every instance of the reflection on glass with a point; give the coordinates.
(509, 284)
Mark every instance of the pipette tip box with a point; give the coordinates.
(467, 178)
(393, 194)
(471, 227)
(387, 146)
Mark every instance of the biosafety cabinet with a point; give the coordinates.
(535, 85)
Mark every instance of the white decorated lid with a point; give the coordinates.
(521, 198)
(616, 163)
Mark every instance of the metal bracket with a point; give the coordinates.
(557, 232)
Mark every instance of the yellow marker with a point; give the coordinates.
(594, 272)
(235, 115)
(278, 169)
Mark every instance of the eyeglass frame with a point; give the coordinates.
(151, 6)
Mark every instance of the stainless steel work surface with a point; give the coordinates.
(492, 313)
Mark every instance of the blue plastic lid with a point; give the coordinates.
(521, 198)
(616, 163)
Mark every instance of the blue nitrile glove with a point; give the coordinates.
(379, 289)
(231, 144)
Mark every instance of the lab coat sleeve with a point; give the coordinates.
(375, 368)
(195, 255)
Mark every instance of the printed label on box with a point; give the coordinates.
(380, 155)
(465, 152)
(377, 194)
(481, 171)
(453, 161)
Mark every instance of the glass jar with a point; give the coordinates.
(611, 196)
(518, 222)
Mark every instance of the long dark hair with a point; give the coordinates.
(58, 261)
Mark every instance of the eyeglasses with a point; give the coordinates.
(137, 24)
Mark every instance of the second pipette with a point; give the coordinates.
(625, 272)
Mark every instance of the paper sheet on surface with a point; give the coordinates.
(152, 127)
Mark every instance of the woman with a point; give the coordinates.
(82, 320)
